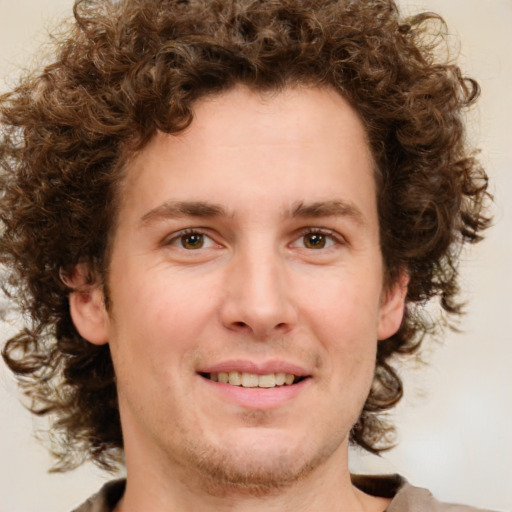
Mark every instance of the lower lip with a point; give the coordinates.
(257, 398)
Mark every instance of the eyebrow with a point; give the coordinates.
(203, 209)
(331, 208)
(176, 209)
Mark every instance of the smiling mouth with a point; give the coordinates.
(253, 380)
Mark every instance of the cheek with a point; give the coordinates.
(343, 309)
(161, 301)
(344, 319)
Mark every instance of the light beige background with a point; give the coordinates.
(455, 422)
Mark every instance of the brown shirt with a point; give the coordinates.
(406, 497)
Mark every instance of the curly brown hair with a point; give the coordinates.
(127, 69)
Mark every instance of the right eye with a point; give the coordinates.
(191, 240)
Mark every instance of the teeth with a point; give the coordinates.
(249, 380)
(267, 381)
(280, 379)
(235, 378)
(252, 380)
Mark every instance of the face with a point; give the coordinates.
(246, 288)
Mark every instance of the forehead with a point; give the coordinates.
(277, 146)
(296, 116)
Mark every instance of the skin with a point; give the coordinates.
(250, 242)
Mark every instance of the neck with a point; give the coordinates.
(169, 487)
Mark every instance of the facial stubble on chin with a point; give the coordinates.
(224, 472)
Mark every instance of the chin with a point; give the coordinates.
(262, 467)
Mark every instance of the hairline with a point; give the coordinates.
(128, 153)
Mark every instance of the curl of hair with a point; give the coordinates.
(127, 69)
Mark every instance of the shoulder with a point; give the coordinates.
(405, 496)
(411, 498)
(105, 500)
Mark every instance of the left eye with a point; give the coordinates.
(315, 240)
(192, 240)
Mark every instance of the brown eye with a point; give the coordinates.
(192, 241)
(315, 240)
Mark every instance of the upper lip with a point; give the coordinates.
(263, 368)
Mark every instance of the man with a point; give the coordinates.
(221, 218)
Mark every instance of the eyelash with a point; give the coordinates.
(334, 237)
(175, 237)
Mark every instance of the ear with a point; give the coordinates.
(392, 307)
(87, 305)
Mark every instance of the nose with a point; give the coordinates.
(258, 295)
